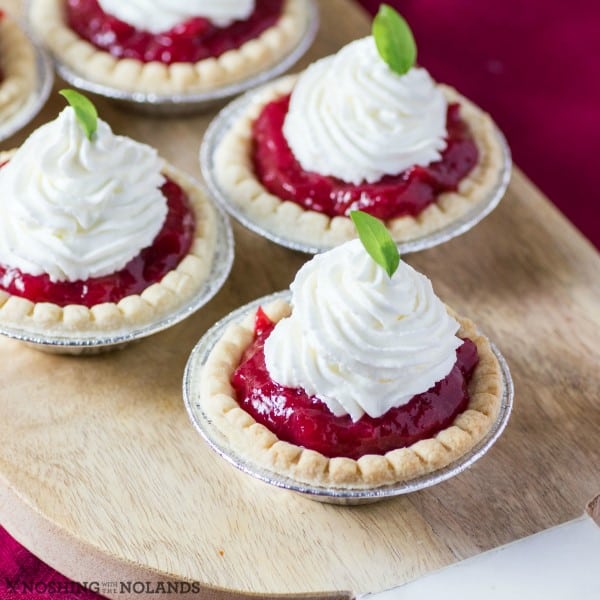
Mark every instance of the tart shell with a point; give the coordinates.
(131, 75)
(17, 67)
(261, 446)
(234, 174)
(176, 288)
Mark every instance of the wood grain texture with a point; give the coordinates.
(102, 475)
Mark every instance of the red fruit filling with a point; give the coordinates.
(194, 40)
(170, 246)
(300, 419)
(392, 196)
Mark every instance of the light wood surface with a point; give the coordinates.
(102, 475)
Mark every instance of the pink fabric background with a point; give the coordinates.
(534, 66)
(18, 566)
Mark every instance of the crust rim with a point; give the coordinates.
(18, 67)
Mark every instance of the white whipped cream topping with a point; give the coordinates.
(77, 209)
(158, 16)
(358, 340)
(353, 118)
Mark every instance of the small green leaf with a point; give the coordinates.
(85, 111)
(377, 241)
(394, 40)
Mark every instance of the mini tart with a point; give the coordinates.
(235, 175)
(156, 301)
(255, 442)
(18, 71)
(131, 75)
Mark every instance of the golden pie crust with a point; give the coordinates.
(131, 75)
(235, 174)
(255, 442)
(18, 71)
(176, 288)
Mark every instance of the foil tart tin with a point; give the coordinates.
(36, 101)
(343, 496)
(96, 342)
(229, 115)
(188, 103)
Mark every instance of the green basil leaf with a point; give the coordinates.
(394, 40)
(85, 111)
(377, 241)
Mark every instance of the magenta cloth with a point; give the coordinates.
(533, 66)
(24, 577)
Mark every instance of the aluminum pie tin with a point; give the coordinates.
(186, 103)
(37, 99)
(227, 118)
(344, 496)
(96, 342)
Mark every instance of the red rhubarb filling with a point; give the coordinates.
(408, 193)
(194, 40)
(170, 246)
(300, 419)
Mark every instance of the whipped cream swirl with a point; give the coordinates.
(353, 118)
(75, 208)
(158, 16)
(358, 340)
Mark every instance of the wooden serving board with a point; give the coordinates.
(103, 477)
